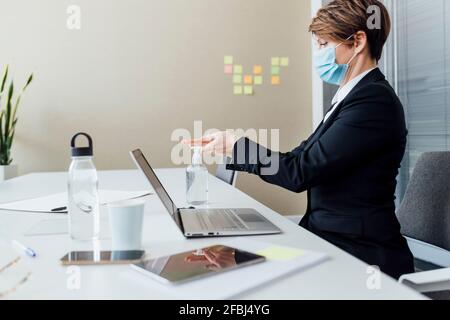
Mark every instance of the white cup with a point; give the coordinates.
(126, 221)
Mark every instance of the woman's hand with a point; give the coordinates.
(215, 259)
(220, 143)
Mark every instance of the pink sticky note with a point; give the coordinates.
(228, 69)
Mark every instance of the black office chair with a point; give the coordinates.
(424, 216)
(229, 176)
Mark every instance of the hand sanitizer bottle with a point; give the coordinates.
(83, 201)
(197, 180)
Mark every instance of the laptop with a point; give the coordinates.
(200, 223)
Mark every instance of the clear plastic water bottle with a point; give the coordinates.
(83, 201)
(197, 180)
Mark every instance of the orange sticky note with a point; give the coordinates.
(275, 80)
(248, 80)
(257, 69)
(228, 69)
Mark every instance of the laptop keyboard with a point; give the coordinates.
(220, 219)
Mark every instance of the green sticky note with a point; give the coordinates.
(248, 90)
(276, 61)
(275, 71)
(237, 90)
(280, 253)
(258, 80)
(238, 69)
(237, 79)
(284, 62)
(228, 60)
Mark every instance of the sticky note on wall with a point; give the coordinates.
(237, 90)
(248, 90)
(275, 61)
(238, 69)
(275, 70)
(228, 69)
(275, 80)
(248, 80)
(237, 79)
(284, 62)
(257, 70)
(258, 80)
(228, 60)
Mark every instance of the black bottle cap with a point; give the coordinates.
(83, 151)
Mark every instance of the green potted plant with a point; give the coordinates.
(8, 122)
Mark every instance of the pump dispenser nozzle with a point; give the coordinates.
(197, 156)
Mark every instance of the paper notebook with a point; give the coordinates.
(59, 200)
(49, 227)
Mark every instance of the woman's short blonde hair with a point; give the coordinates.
(341, 19)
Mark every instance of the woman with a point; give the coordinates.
(350, 164)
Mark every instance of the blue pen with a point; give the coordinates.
(28, 251)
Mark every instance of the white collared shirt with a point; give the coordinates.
(344, 91)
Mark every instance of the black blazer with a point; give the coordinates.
(349, 168)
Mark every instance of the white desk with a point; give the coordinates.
(342, 277)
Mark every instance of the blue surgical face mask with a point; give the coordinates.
(327, 67)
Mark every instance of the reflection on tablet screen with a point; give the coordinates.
(199, 263)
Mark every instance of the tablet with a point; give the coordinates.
(197, 264)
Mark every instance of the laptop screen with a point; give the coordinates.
(145, 167)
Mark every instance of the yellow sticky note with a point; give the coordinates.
(228, 60)
(281, 253)
(248, 80)
(248, 90)
(275, 80)
(275, 61)
(237, 90)
(258, 80)
(237, 79)
(284, 62)
(257, 70)
(238, 69)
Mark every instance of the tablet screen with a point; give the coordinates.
(195, 264)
